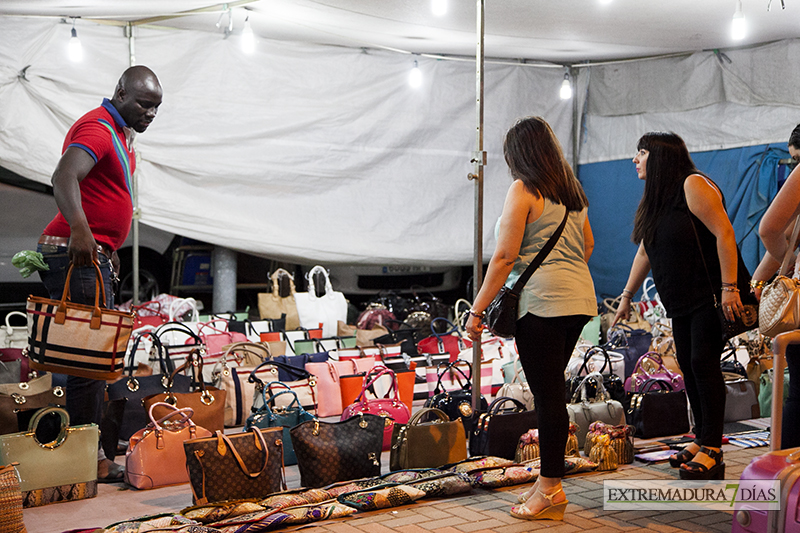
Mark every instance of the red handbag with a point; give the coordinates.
(450, 342)
(390, 406)
(149, 314)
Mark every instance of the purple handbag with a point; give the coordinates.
(657, 371)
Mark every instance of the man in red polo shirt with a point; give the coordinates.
(92, 188)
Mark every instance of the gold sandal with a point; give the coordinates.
(554, 511)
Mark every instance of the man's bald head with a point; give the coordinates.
(137, 97)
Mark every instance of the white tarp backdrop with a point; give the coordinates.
(298, 152)
(325, 154)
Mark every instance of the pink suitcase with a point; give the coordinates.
(783, 465)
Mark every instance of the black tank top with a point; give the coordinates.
(676, 263)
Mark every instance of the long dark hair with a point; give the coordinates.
(534, 156)
(667, 167)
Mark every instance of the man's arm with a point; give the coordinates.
(73, 166)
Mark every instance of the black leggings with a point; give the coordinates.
(791, 407)
(545, 344)
(698, 347)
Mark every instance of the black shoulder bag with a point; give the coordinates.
(501, 315)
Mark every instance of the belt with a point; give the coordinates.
(64, 241)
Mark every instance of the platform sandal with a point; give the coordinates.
(554, 511)
(682, 457)
(698, 471)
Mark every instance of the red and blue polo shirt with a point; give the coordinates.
(106, 189)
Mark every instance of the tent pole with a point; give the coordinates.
(134, 187)
(479, 160)
(576, 123)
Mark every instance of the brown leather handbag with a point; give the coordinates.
(328, 452)
(235, 467)
(427, 445)
(207, 402)
(33, 394)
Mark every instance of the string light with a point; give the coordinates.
(74, 48)
(566, 88)
(248, 38)
(738, 25)
(415, 76)
(439, 7)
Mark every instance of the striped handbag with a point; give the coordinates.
(77, 339)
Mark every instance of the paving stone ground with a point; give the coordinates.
(487, 511)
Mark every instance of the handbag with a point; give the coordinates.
(14, 336)
(10, 371)
(304, 384)
(603, 454)
(364, 337)
(517, 388)
(8, 355)
(155, 455)
(584, 410)
(389, 407)
(651, 366)
(329, 386)
(148, 314)
(177, 341)
(611, 382)
(33, 394)
(748, 317)
(11, 517)
(328, 452)
(779, 309)
(286, 417)
(497, 431)
(419, 444)
(235, 379)
(136, 388)
(216, 336)
(450, 342)
(741, 401)
(501, 315)
(206, 402)
(631, 343)
(658, 413)
(280, 303)
(77, 339)
(327, 309)
(237, 466)
(51, 453)
(765, 391)
(729, 363)
(456, 403)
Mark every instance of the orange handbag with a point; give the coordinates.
(155, 454)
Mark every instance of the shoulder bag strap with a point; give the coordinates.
(540, 257)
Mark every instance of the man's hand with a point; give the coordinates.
(82, 250)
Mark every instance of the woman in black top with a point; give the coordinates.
(681, 212)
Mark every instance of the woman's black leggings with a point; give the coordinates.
(545, 345)
(698, 347)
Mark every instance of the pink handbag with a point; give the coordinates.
(155, 454)
(328, 385)
(216, 335)
(651, 366)
(390, 407)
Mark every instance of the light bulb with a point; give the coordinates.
(74, 48)
(605, 1)
(415, 76)
(738, 25)
(439, 7)
(248, 38)
(566, 89)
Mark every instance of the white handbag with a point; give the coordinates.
(583, 410)
(517, 389)
(326, 310)
(14, 336)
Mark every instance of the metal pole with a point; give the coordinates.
(576, 120)
(135, 188)
(479, 160)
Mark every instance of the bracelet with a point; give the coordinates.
(758, 283)
(477, 315)
(729, 284)
(729, 289)
(626, 292)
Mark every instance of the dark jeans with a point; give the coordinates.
(698, 346)
(545, 344)
(84, 396)
(791, 407)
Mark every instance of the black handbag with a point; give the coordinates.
(328, 452)
(456, 403)
(613, 384)
(728, 363)
(135, 389)
(658, 413)
(497, 431)
(501, 315)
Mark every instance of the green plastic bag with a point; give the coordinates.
(28, 262)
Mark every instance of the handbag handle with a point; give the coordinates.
(498, 402)
(581, 389)
(663, 384)
(297, 372)
(178, 303)
(453, 366)
(419, 415)
(259, 349)
(273, 396)
(655, 357)
(179, 327)
(97, 314)
(186, 414)
(588, 356)
(223, 440)
(279, 273)
(63, 432)
(9, 327)
(374, 375)
(212, 325)
(312, 289)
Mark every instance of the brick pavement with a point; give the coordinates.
(486, 511)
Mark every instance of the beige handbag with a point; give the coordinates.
(779, 309)
(271, 305)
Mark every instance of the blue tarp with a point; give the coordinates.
(748, 178)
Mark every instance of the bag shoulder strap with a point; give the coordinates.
(540, 257)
